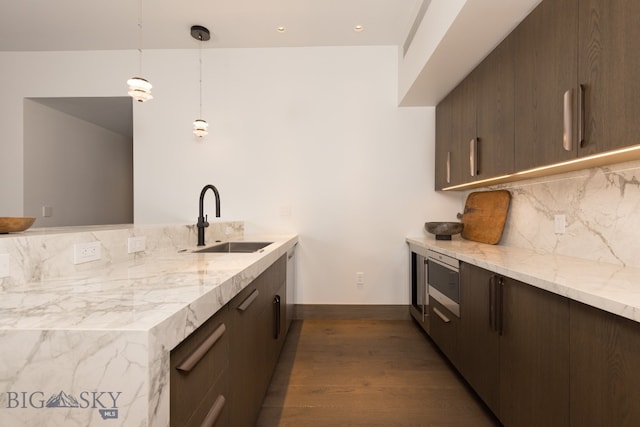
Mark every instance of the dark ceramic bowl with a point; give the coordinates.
(443, 230)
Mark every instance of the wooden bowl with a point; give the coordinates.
(443, 230)
(14, 224)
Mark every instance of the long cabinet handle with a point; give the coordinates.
(567, 134)
(276, 317)
(214, 413)
(473, 157)
(196, 356)
(448, 167)
(492, 303)
(441, 315)
(500, 305)
(249, 300)
(581, 115)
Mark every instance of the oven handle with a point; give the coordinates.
(444, 264)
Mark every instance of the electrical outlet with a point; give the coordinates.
(4, 265)
(360, 278)
(560, 224)
(136, 244)
(85, 252)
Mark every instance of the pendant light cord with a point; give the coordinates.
(200, 61)
(140, 37)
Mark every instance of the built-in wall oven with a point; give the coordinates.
(443, 278)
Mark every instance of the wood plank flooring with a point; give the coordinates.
(366, 373)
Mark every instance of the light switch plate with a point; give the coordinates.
(136, 244)
(4, 265)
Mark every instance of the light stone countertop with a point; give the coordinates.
(609, 287)
(101, 337)
(139, 294)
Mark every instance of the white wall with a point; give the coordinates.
(305, 140)
(84, 172)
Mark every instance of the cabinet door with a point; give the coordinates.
(443, 154)
(463, 130)
(605, 368)
(545, 68)
(246, 362)
(534, 357)
(479, 342)
(455, 128)
(609, 70)
(494, 112)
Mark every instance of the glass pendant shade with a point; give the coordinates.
(200, 127)
(139, 89)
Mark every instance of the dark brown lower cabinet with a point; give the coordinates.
(534, 357)
(220, 373)
(605, 368)
(514, 348)
(199, 375)
(254, 349)
(479, 342)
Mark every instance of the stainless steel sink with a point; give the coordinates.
(235, 247)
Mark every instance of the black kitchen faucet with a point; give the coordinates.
(202, 218)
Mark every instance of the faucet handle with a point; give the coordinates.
(203, 221)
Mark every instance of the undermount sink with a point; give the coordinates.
(235, 247)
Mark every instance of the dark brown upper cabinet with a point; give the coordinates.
(474, 123)
(609, 71)
(563, 85)
(494, 82)
(455, 127)
(546, 71)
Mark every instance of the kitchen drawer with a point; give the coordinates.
(444, 330)
(213, 410)
(196, 365)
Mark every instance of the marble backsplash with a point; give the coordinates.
(47, 253)
(602, 209)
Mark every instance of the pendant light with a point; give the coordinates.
(139, 87)
(201, 34)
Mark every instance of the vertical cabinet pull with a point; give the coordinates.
(496, 307)
(448, 167)
(196, 356)
(249, 300)
(276, 317)
(567, 134)
(500, 305)
(441, 315)
(581, 115)
(214, 413)
(473, 157)
(492, 303)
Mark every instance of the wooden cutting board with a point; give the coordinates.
(485, 213)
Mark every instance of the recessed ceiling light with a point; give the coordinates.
(281, 29)
(358, 28)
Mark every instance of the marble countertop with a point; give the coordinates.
(139, 294)
(609, 287)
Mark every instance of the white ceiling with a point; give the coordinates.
(47, 25)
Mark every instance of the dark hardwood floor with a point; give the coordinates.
(366, 373)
